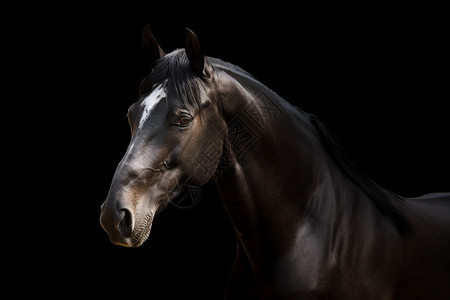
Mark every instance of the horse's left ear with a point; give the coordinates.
(195, 54)
(152, 50)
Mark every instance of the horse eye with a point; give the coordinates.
(184, 120)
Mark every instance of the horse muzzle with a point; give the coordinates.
(124, 227)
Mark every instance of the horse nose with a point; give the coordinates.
(118, 224)
(125, 226)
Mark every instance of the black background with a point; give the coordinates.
(378, 75)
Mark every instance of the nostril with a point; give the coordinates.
(126, 223)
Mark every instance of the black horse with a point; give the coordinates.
(308, 223)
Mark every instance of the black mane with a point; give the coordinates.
(387, 202)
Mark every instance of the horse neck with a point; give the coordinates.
(278, 172)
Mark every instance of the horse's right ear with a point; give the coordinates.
(152, 50)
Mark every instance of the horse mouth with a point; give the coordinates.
(141, 233)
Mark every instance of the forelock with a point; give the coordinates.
(178, 78)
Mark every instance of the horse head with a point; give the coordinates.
(175, 139)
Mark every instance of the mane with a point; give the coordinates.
(390, 204)
(230, 68)
(247, 80)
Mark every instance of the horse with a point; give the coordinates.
(309, 223)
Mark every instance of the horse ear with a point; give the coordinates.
(194, 52)
(152, 50)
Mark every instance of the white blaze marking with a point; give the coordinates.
(150, 102)
(147, 106)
